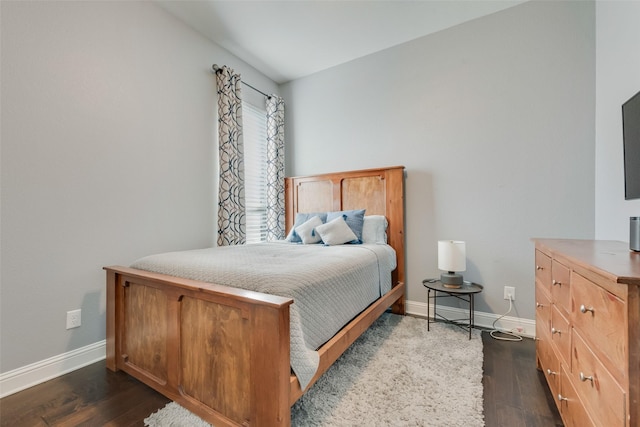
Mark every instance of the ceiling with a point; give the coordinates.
(287, 40)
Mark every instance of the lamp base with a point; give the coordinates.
(451, 280)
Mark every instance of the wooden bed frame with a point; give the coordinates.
(223, 352)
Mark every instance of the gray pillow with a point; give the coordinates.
(374, 229)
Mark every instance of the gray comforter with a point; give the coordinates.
(328, 284)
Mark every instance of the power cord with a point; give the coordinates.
(509, 336)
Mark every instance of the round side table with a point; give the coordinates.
(465, 293)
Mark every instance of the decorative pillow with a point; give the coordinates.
(307, 231)
(354, 219)
(336, 232)
(374, 229)
(301, 218)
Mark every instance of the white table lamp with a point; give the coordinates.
(451, 258)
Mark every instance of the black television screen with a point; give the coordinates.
(631, 138)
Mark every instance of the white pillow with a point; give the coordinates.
(307, 231)
(374, 229)
(336, 232)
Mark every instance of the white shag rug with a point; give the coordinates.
(395, 374)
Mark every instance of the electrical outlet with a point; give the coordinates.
(74, 319)
(510, 291)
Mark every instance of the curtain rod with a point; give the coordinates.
(215, 69)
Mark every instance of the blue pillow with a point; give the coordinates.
(353, 218)
(301, 218)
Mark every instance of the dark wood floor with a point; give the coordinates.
(514, 395)
(90, 396)
(515, 392)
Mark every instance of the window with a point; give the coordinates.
(254, 121)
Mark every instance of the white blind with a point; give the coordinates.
(254, 122)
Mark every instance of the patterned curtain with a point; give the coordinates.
(231, 206)
(275, 168)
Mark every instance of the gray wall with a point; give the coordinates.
(108, 154)
(494, 121)
(618, 78)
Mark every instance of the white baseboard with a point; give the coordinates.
(484, 320)
(45, 370)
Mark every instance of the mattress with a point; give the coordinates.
(329, 285)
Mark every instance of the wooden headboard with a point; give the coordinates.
(379, 191)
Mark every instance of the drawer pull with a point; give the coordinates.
(555, 282)
(538, 267)
(584, 378)
(550, 372)
(561, 398)
(584, 309)
(556, 331)
(539, 305)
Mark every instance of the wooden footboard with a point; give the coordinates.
(221, 352)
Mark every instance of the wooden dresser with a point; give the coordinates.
(588, 329)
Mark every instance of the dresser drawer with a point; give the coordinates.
(549, 363)
(543, 309)
(601, 319)
(560, 287)
(596, 386)
(561, 335)
(573, 412)
(543, 270)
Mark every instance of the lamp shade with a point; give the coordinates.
(452, 255)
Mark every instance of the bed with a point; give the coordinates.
(225, 352)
